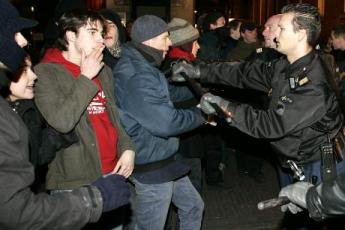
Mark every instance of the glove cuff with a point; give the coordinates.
(202, 71)
(314, 204)
(97, 210)
(197, 71)
(91, 198)
(229, 109)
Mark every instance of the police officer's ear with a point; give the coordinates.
(302, 34)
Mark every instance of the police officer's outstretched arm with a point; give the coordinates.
(289, 112)
(254, 75)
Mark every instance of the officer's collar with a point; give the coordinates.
(301, 62)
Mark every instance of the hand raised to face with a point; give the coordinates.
(91, 64)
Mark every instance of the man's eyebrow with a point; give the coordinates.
(92, 29)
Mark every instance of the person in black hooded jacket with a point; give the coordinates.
(115, 36)
(44, 141)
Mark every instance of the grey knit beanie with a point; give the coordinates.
(147, 27)
(182, 32)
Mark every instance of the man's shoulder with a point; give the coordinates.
(48, 66)
(267, 54)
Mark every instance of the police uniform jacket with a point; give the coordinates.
(302, 109)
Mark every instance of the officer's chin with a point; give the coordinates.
(279, 48)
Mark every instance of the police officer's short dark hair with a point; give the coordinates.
(306, 16)
(339, 30)
(73, 21)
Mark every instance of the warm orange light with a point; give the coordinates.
(95, 4)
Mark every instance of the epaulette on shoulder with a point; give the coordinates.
(259, 50)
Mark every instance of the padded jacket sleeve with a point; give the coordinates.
(152, 107)
(253, 75)
(327, 199)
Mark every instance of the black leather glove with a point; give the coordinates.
(208, 99)
(206, 106)
(191, 71)
(297, 195)
(114, 190)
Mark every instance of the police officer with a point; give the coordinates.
(303, 114)
(270, 33)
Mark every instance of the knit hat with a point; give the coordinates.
(11, 54)
(147, 27)
(182, 32)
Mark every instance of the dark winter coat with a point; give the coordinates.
(146, 107)
(44, 141)
(210, 47)
(19, 207)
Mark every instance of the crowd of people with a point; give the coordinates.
(109, 130)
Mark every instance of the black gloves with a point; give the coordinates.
(208, 99)
(191, 71)
(226, 107)
(114, 191)
(297, 195)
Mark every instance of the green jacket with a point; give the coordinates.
(63, 102)
(243, 50)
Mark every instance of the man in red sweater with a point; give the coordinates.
(75, 92)
(20, 208)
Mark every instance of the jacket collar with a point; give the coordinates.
(152, 55)
(301, 63)
(21, 106)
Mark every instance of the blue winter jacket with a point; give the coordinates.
(146, 108)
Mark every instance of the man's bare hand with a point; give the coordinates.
(92, 63)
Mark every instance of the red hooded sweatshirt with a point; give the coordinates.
(176, 52)
(106, 133)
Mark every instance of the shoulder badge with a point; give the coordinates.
(286, 99)
(303, 81)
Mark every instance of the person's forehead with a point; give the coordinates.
(221, 19)
(93, 25)
(286, 19)
(109, 22)
(273, 21)
(250, 31)
(163, 35)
